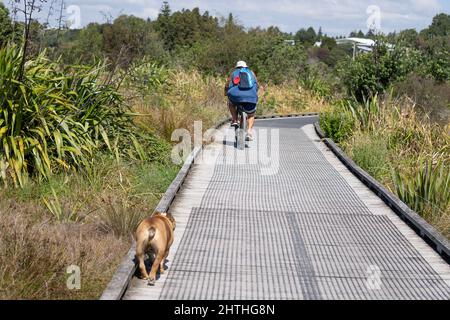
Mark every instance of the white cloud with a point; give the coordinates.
(426, 5)
(290, 15)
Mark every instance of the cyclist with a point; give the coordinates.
(242, 89)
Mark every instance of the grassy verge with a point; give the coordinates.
(89, 225)
(290, 97)
(408, 154)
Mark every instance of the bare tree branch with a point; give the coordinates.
(60, 19)
(28, 8)
(50, 12)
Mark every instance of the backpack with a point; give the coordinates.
(243, 78)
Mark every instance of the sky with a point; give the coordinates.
(336, 17)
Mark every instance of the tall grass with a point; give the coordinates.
(338, 124)
(290, 97)
(372, 154)
(34, 255)
(178, 101)
(428, 191)
(389, 135)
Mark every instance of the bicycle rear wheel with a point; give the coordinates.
(242, 132)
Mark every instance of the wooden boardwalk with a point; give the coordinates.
(285, 219)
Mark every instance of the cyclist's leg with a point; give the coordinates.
(251, 122)
(251, 111)
(233, 111)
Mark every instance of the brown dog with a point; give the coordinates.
(154, 234)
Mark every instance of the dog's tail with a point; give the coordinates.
(151, 233)
(143, 243)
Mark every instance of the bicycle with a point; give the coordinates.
(241, 129)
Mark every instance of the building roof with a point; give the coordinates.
(361, 43)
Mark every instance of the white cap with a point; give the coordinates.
(241, 64)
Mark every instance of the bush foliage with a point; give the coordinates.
(57, 118)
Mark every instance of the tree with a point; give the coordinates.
(127, 39)
(163, 26)
(307, 37)
(28, 8)
(328, 43)
(230, 20)
(6, 25)
(165, 10)
(440, 27)
(337, 54)
(371, 34)
(435, 45)
(373, 72)
(357, 34)
(217, 54)
(89, 45)
(274, 31)
(184, 28)
(319, 34)
(408, 37)
(286, 63)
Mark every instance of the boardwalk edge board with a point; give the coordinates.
(122, 277)
(427, 232)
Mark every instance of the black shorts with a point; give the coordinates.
(248, 108)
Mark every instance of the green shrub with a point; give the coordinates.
(146, 77)
(427, 191)
(317, 86)
(283, 64)
(372, 73)
(371, 154)
(365, 114)
(59, 118)
(337, 124)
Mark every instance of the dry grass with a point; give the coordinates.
(35, 253)
(290, 98)
(431, 97)
(185, 98)
(36, 249)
